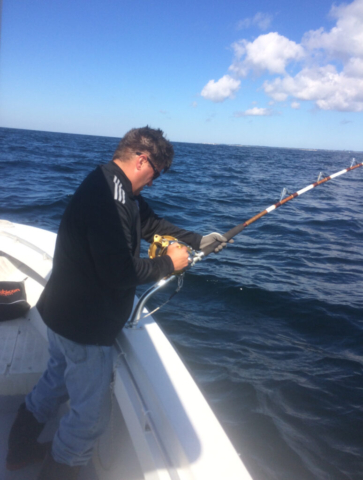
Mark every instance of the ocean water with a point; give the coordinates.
(272, 327)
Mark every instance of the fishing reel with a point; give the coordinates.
(159, 247)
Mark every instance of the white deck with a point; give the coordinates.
(161, 429)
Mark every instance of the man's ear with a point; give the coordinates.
(139, 162)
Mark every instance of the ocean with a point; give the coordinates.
(271, 328)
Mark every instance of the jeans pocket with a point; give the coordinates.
(75, 352)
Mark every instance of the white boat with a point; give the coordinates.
(162, 428)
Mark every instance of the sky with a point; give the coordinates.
(269, 73)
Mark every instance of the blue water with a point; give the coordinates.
(272, 327)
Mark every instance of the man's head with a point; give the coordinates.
(143, 153)
(146, 139)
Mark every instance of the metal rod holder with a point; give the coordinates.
(136, 314)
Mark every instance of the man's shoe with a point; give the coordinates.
(52, 470)
(23, 448)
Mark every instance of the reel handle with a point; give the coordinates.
(159, 247)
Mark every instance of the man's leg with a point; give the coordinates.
(51, 391)
(40, 405)
(87, 376)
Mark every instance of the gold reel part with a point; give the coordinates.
(160, 245)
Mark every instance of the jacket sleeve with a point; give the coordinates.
(110, 242)
(152, 224)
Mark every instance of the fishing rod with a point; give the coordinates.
(160, 244)
(238, 228)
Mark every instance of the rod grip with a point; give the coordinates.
(228, 235)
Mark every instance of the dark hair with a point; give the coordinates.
(146, 139)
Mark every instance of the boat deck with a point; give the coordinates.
(23, 357)
(102, 456)
(8, 408)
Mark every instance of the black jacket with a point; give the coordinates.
(96, 266)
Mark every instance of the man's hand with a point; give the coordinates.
(179, 255)
(213, 237)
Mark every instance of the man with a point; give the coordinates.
(89, 298)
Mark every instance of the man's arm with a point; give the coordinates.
(152, 224)
(110, 240)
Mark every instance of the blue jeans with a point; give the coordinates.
(82, 374)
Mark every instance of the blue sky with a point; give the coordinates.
(273, 73)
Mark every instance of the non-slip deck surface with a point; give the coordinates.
(23, 356)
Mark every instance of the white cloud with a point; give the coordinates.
(271, 52)
(295, 105)
(346, 38)
(329, 63)
(219, 91)
(261, 20)
(354, 67)
(245, 23)
(326, 87)
(254, 112)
